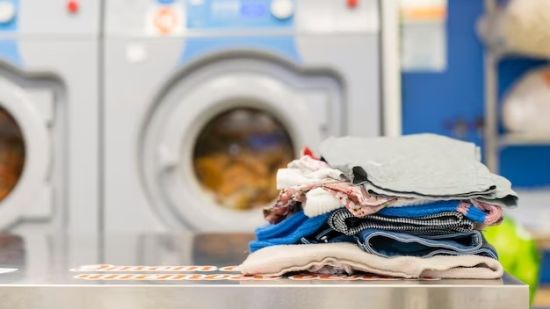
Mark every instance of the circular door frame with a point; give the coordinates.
(37, 152)
(172, 147)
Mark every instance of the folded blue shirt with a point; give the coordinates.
(288, 231)
(475, 214)
(281, 229)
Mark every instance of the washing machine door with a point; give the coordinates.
(210, 162)
(24, 152)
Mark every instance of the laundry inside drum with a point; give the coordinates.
(12, 153)
(236, 157)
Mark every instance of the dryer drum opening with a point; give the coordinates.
(237, 154)
(12, 153)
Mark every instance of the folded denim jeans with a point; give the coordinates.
(288, 231)
(391, 244)
(440, 223)
(327, 235)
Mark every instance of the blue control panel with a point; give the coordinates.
(212, 14)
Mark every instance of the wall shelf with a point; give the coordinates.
(514, 139)
(494, 139)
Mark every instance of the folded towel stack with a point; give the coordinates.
(408, 207)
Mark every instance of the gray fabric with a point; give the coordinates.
(418, 166)
(442, 223)
(506, 201)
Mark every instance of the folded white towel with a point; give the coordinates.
(289, 177)
(278, 260)
(319, 201)
(305, 171)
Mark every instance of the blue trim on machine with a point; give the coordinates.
(198, 47)
(215, 16)
(9, 50)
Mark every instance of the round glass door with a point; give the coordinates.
(12, 153)
(237, 154)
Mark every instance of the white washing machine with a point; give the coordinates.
(49, 116)
(205, 99)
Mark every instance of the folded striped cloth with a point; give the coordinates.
(440, 223)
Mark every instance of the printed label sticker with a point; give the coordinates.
(109, 272)
(142, 268)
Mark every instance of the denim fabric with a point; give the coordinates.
(475, 214)
(327, 235)
(288, 231)
(345, 222)
(390, 244)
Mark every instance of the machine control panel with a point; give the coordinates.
(205, 14)
(177, 17)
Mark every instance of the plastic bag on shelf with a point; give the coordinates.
(518, 27)
(526, 108)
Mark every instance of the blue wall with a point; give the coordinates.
(435, 102)
(451, 102)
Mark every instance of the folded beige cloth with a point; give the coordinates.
(278, 260)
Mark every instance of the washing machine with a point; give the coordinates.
(49, 116)
(206, 99)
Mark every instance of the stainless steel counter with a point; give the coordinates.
(52, 272)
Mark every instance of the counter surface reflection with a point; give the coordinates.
(160, 271)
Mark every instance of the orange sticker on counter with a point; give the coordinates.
(109, 272)
(173, 277)
(233, 268)
(143, 268)
(232, 277)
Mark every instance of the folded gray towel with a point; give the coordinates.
(420, 166)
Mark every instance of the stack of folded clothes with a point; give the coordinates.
(409, 207)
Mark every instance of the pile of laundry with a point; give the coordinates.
(408, 207)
